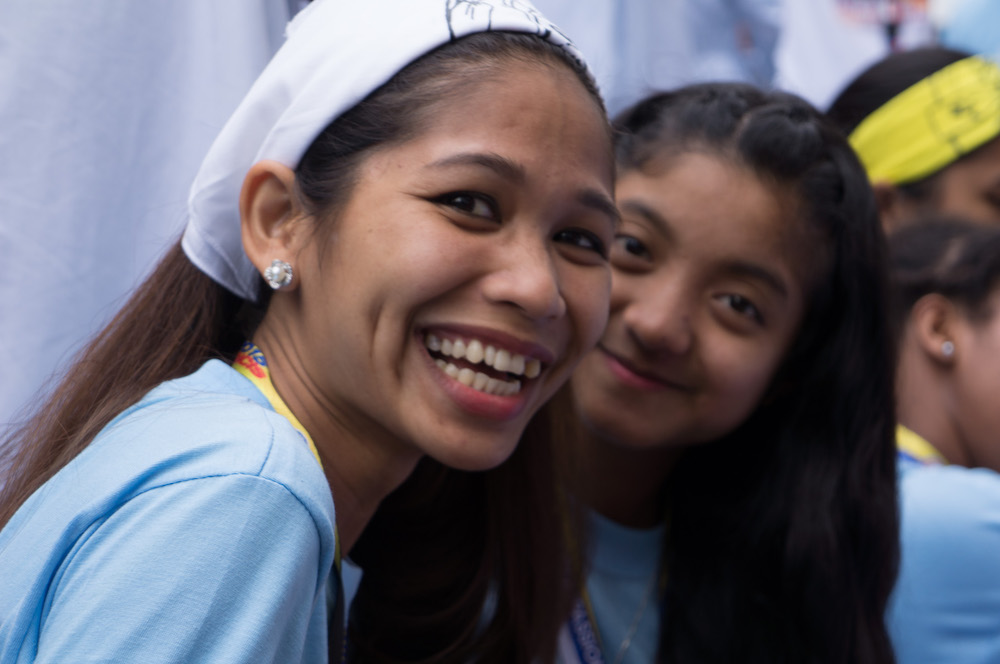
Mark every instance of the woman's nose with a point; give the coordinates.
(526, 277)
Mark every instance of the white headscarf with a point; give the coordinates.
(335, 54)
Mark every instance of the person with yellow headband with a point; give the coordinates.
(925, 123)
(946, 309)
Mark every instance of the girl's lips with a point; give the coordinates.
(627, 373)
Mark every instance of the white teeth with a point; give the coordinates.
(477, 380)
(466, 376)
(475, 352)
(481, 381)
(502, 361)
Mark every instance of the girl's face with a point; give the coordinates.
(706, 300)
(976, 386)
(970, 188)
(467, 273)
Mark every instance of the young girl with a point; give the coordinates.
(946, 307)
(926, 125)
(425, 188)
(736, 443)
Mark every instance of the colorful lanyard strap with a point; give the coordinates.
(912, 447)
(579, 640)
(584, 641)
(250, 362)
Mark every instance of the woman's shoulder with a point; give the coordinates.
(209, 425)
(950, 527)
(950, 499)
(213, 421)
(946, 604)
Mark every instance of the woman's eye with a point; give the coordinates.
(583, 239)
(742, 306)
(631, 246)
(477, 205)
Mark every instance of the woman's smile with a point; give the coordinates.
(485, 376)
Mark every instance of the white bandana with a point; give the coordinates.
(335, 54)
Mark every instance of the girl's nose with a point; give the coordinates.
(659, 317)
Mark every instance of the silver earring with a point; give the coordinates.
(948, 348)
(278, 275)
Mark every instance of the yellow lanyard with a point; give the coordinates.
(912, 446)
(251, 363)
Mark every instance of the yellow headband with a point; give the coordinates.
(932, 123)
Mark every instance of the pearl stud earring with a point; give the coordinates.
(278, 275)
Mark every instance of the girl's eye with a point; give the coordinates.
(583, 239)
(630, 254)
(632, 246)
(477, 205)
(742, 306)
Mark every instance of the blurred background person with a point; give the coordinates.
(946, 310)
(926, 124)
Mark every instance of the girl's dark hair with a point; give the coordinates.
(882, 81)
(954, 258)
(783, 534)
(511, 551)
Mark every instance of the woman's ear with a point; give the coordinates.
(890, 206)
(270, 215)
(935, 321)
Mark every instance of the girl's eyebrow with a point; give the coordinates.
(752, 270)
(649, 214)
(740, 268)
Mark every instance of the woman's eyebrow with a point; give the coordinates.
(502, 166)
(516, 173)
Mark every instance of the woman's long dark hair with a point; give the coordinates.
(511, 552)
(783, 535)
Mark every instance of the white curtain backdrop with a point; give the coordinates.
(822, 46)
(106, 109)
(633, 46)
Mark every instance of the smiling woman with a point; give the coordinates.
(435, 229)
